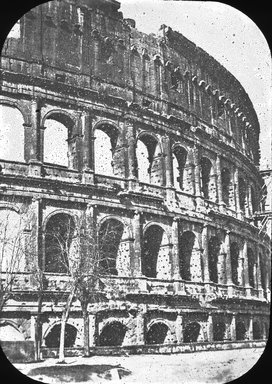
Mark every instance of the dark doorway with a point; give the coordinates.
(110, 235)
(219, 329)
(205, 166)
(242, 193)
(251, 267)
(151, 247)
(240, 331)
(225, 177)
(157, 334)
(191, 332)
(257, 331)
(213, 252)
(112, 334)
(59, 234)
(234, 256)
(186, 246)
(52, 340)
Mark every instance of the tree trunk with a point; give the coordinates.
(64, 318)
(62, 336)
(86, 343)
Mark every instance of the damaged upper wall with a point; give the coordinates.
(89, 44)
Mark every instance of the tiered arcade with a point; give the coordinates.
(153, 138)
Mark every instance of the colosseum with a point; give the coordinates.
(146, 137)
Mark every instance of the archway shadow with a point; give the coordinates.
(79, 372)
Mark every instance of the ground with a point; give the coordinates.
(188, 368)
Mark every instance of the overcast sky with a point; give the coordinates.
(227, 34)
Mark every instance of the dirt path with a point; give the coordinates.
(202, 367)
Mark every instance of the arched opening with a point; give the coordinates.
(219, 329)
(12, 136)
(60, 234)
(106, 137)
(12, 246)
(10, 333)
(143, 162)
(251, 267)
(112, 334)
(240, 331)
(234, 257)
(157, 333)
(52, 340)
(213, 253)
(57, 135)
(148, 160)
(187, 265)
(206, 167)
(257, 334)
(110, 235)
(225, 180)
(152, 243)
(179, 161)
(191, 332)
(242, 193)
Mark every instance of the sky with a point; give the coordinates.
(227, 34)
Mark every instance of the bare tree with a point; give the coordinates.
(12, 252)
(87, 256)
(16, 245)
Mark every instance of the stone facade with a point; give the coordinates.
(154, 137)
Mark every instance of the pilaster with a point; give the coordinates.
(137, 262)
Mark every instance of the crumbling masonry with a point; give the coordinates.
(152, 136)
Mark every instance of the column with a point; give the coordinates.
(41, 141)
(137, 262)
(34, 153)
(167, 162)
(140, 327)
(213, 189)
(233, 327)
(35, 335)
(246, 277)
(240, 270)
(92, 329)
(179, 328)
(236, 190)
(33, 320)
(250, 328)
(131, 149)
(205, 254)
(96, 52)
(219, 181)
(250, 207)
(87, 148)
(175, 249)
(90, 215)
(228, 264)
(86, 124)
(76, 145)
(221, 268)
(33, 144)
(259, 279)
(197, 173)
(264, 330)
(247, 210)
(267, 280)
(210, 328)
